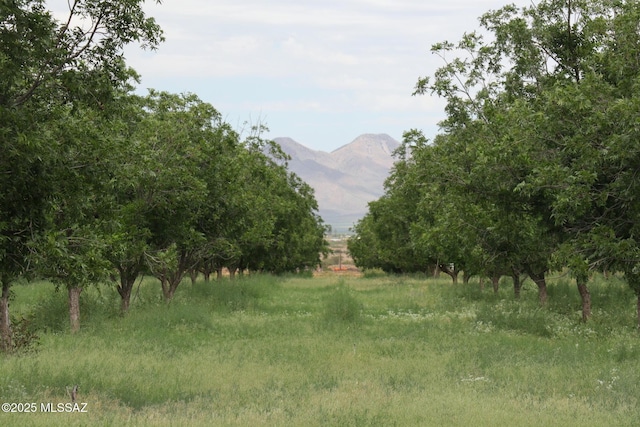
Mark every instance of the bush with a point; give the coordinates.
(51, 313)
(24, 337)
(342, 306)
(373, 273)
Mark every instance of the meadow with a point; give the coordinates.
(329, 351)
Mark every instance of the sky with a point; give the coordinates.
(321, 72)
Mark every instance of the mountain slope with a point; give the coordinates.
(346, 179)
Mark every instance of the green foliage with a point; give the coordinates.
(341, 306)
(61, 83)
(534, 166)
(372, 273)
(97, 180)
(51, 313)
(25, 336)
(237, 295)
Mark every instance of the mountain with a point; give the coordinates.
(346, 179)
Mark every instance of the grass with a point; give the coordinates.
(378, 351)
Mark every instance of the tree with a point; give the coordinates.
(364, 246)
(48, 68)
(126, 233)
(554, 88)
(582, 122)
(283, 232)
(70, 250)
(174, 135)
(383, 237)
(220, 169)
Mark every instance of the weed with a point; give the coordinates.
(51, 313)
(25, 337)
(342, 306)
(373, 273)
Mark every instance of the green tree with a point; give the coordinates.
(174, 135)
(554, 89)
(383, 237)
(494, 92)
(47, 69)
(126, 232)
(70, 250)
(284, 232)
(582, 121)
(224, 210)
(364, 246)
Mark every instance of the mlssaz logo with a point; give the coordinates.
(63, 407)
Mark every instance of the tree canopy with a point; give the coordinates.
(100, 182)
(536, 163)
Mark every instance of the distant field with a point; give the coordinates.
(330, 351)
(339, 258)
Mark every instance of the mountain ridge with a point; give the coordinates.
(347, 178)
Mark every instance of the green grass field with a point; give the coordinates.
(379, 351)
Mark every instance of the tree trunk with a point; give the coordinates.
(538, 279)
(451, 272)
(128, 278)
(170, 279)
(218, 273)
(517, 284)
(193, 275)
(74, 308)
(465, 278)
(5, 319)
(164, 284)
(173, 285)
(495, 282)
(436, 271)
(169, 286)
(206, 272)
(125, 301)
(232, 273)
(585, 296)
(482, 283)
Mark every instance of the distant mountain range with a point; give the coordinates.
(346, 179)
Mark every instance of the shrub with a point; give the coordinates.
(51, 313)
(342, 306)
(24, 335)
(373, 273)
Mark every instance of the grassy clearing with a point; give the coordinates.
(379, 351)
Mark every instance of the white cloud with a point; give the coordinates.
(360, 58)
(314, 53)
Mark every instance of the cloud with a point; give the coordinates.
(315, 63)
